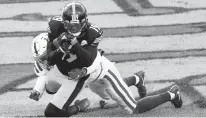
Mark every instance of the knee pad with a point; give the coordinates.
(50, 92)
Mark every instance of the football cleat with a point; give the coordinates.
(141, 86)
(83, 104)
(177, 101)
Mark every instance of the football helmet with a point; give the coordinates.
(39, 50)
(75, 18)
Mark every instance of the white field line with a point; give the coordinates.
(165, 69)
(179, 3)
(201, 89)
(154, 43)
(15, 50)
(112, 21)
(55, 8)
(18, 49)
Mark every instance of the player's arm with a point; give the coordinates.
(88, 52)
(39, 88)
(55, 29)
(54, 55)
(85, 54)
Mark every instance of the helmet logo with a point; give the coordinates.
(75, 17)
(35, 50)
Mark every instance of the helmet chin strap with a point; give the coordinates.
(76, 34)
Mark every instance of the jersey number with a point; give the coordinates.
(70, 58)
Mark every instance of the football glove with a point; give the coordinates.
(76, 74)
(61, 43)
(35, 95)
(83, 104)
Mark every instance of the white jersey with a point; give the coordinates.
(39, 69)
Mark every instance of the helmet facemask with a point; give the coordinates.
(74, 18)
(74, 27)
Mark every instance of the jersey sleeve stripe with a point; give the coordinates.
(97, 40)
(96, 29)
(35, 69)
(38, 67)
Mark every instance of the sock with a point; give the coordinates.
(150, 102)
(132, 80)
(172, 95)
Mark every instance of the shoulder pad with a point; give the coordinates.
(95, 30)
(94, 34)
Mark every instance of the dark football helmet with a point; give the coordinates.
(75, 18)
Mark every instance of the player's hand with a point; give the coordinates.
(76, 74)
(82, 104)
(35, 95)
(62, 43)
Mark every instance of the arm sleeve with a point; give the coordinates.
(79, 87)
(40, 85)
(39, 70)
(86, 54)
(95, 64)
(55, 27)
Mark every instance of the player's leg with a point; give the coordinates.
(150, 102)
(137, 80)
(58, 106)
(117, 89)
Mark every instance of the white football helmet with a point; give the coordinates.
(39, 51)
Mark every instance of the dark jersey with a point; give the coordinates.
(83, 53)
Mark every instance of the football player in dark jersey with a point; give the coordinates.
(73, 43)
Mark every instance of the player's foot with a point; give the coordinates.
(141, 86)
(83, 104)
(177, 101)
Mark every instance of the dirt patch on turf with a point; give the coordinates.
(30, 17)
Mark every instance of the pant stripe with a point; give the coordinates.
(123, 88)
(119, 93)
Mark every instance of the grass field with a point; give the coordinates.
(165, 39)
